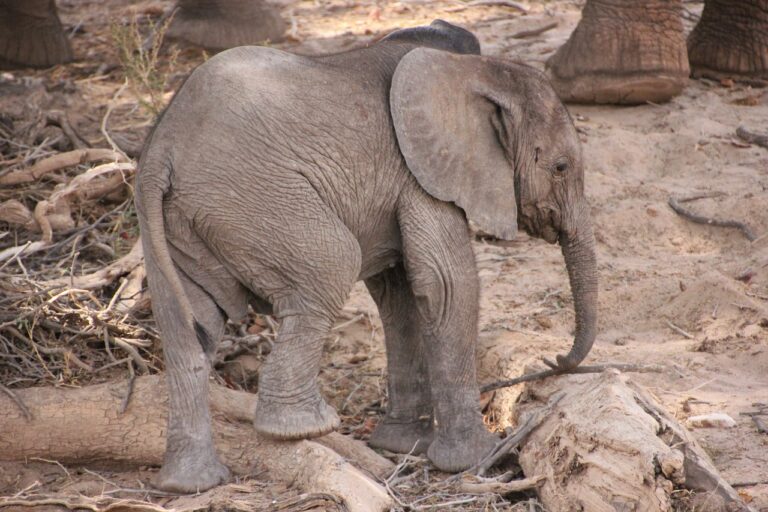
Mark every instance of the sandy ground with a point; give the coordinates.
(657, 270)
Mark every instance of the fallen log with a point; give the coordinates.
(607, 445)
(84, 425)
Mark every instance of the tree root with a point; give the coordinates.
(92, 429)
(751, 137)
(674, 203)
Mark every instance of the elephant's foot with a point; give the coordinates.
(403, 436)
(294, 421)
(191, 472)
(31, 35)
(222, 24)
(730, 40)
(460, 450)
(622, 51)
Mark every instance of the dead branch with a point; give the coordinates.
(502, 488)
(60, 119)
(607, 444)
(503, 3)
(17, 401)
(597, 368)
(58, 162)
(700, 472)
(91, 429)
(680, 331)
(104, 276)
(674, 203)
(751, 137)
(83, 503)
(534, 32)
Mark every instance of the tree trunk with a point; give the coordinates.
(607, 446)
(85, 425)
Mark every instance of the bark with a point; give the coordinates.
(91, 429)
(606, 447)
(623, 51)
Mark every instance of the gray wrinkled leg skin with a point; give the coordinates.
(730, 40)
(407, 426)
(31, 35)
(222, 24)
(623, 51)
(289, 404)
(190, 463)
(441, 270)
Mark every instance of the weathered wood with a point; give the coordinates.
(609, 446)
(84, 425)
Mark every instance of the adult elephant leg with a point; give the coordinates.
(31, 35)
(623, 51)
(222, 24)
(190, 463)
(442, 273)
(408, 424)
(730, 40)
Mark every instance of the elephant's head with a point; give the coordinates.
(493, 137)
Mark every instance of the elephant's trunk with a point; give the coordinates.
(578, 245)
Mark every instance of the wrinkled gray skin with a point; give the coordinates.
(281, 180)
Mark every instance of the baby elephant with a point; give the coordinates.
(280, 180)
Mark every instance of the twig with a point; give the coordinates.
(751, 137)
(59, 119)
(512, 441)
(503, 3)
(60, 161)
(751, 483)
(49, 461)
(597, 368)
(105, 119)
(129, 391)
(502, 488)
(679, 331)
(534, 32)
(17, 401)
(674, 203)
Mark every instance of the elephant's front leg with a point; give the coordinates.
(441, 270)
(408, 424)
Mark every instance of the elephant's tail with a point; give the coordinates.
(153, 181)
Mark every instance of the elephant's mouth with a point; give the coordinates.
(541, 223)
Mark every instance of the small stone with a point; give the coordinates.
(713, 420)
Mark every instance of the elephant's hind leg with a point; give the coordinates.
(305, 269)
(408, 424)
(190, 463)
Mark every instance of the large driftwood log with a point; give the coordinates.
(609, 446)
(85, 425)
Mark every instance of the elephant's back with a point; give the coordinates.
(260, 119)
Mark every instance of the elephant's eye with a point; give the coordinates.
(561, 166)
(536, 154)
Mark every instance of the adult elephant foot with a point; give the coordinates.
(461, 449)
(285, 421)
(730, 40)
(222, 24)
(402, 436)
(191, 473)
(623, 51)
(31, 35)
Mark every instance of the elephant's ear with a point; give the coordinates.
(450, 131)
